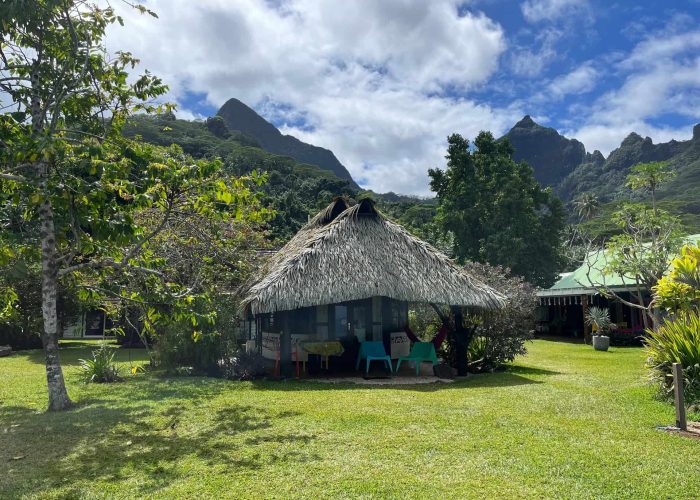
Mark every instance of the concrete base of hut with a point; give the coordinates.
(402, 380)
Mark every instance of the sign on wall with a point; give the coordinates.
(400, 344)
(270, 345)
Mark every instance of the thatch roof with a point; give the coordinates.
(351, 253)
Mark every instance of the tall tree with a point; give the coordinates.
(65, 167)
(649, 177)
(495, 212)
(587, 206)
(648, 239)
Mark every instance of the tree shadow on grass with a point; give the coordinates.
(530, 370)
(147, 438)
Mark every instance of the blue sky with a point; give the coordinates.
(382, 84)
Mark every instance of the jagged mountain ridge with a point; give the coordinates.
(242, 118)
(565, 165)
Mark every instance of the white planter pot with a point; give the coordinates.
(601, 342)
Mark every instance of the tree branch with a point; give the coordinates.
(16, 178)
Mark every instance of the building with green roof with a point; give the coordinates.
(563, 306)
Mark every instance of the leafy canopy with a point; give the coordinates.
(83, 203)
(494, 211)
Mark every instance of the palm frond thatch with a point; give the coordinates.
(351, 253)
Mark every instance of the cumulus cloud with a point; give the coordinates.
(578, 81)
(662, 76)
(383, 83)
(373, 81)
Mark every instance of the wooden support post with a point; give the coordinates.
(286, 367)
(681, 422)
(584, 309)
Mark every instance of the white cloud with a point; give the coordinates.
(392, 140)
(368, 77)
(607, 137)
(578, 81)
(662, 76)
(532, 59)
(551, 10)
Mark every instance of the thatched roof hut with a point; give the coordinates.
(353, 253)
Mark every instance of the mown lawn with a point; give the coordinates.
(563, 422)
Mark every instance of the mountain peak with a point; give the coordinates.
(632, 138)
(526, 122)
(696, 132)
(551, 155)
(238, 116)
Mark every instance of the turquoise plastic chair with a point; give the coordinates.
(421, 351)
(372, 351)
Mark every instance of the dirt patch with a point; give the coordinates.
(692, 432)
(382, 381)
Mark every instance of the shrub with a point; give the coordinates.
(101, 368)
(204, 353)
(18, 338)
(676, 341)
(679, 290)
(599, 319)
(244, 366)
(500, 335)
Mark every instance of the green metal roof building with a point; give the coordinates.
(564, 304)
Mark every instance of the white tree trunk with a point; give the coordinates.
(58, 396)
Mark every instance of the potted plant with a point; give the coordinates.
(599, 319)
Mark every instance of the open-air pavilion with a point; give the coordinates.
(346, 277)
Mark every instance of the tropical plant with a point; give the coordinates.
(101, 368)
(243, 365)
(491, 339)
(649, 177)
(676, 341)
(587, 206)
(599, 318)
(679, 290)
(647, 239)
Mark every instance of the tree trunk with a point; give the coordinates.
(463, 337)
(656, 318)
(645, 310)
(58, 396)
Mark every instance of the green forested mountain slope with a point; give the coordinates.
(295, 190)
(240, 117)
(563, 164)
(551, 155)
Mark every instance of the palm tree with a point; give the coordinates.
(587, 205)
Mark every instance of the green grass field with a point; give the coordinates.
(565, 421)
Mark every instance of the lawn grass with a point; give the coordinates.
(565, 421)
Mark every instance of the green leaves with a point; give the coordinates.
(494, 211)
(599, 318)
(143, 226)
(679, 290)
(649, 176)
(676, 341)
(649, 239)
